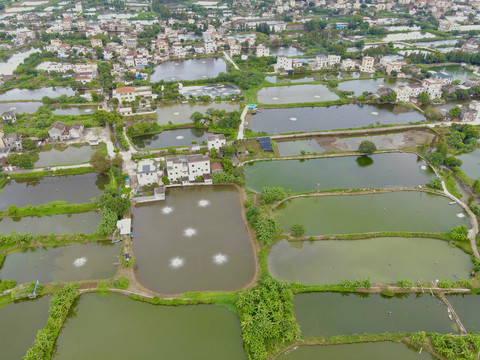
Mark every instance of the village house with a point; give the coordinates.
(10, 142)
(9, 116)
(187, 169)
(130, 93)
(262, 51)
(60, 131)
(433, 88)
(147, 173)
(367, 64)
(215, 141)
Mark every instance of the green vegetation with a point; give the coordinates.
(367, 147)
(273, 194)
(266, 317)
(266, 228)
(52, 208)
(449, 346)
(459, 233)
(7, 285)
(297, 229)
(60, 305)
(435, 184)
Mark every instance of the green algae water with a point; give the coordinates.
(409, 211)
(20, 323)
(116, 327)
(376, 171)
(76, 262)
(364, 351)
(330, 314)
(195, 240)
(380, 259)
(466, 307)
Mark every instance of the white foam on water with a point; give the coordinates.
(204, 76)
(204, 62)
(380, 85)
(460, 215)
(423, 167)
(374, 113)
(176, 113)
(88, 110)
(189, 232)
(176, 262)
(443, 110)
(176, 64)
(80, 262)
(167, 210)
(274, 98)
(203, 203)
(220, 259)
(179, 137)
(293, 119)
(317, 96)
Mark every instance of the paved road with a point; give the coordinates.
(229, 59)
(241, 128)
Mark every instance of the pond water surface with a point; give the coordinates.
(303, 119)
(295, 94)
(288, 51)
(37, 94)
(384, 260)
(195, 240)
(377, 171)
(407, 211)
(466, 307)
(20, 323)
(330, 314)
(457, 71)
(213, 91)
(363, 351)
(117, 327)
(370, 85)
(8, 67)
(471, 164)
(85, 223)
(28, 107)
(64, 156)
(171, 138)
(75, 110)
(190, 69)
(74, 189)
(178, 114)
(92, 261)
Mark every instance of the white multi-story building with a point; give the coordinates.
(147, 172)
(433, 88)
(394, 66)
(216, 141)
(262, 51)
(188, 168)
(130, 93)
(321, 61)
(178, 50)
(443, 77)
(235, 50)
(210, 46)
(403, 94)
(284, 62)
(367, 64)
(348, 64)
(333, 59)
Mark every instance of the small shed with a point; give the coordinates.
(124, 226)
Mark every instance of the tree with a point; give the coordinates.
(297, 229)
(21, 160)
(459, 233)
(367, 147)
(424, 98)
(454, 112)
(28, 144)
(271, 194)
(108, 223)
(100, 161)
(435, 184)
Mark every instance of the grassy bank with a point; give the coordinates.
(53, 208)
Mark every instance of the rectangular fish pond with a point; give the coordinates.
(331, 314)
(407, 211)
(117, 327)
(195, 240)
(387, 170)
(67, 155)
(74, 189)
(171, 138)
(384, 260)
(295, 94)
(91, 261)
(178, 114)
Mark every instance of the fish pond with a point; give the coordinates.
(370, 85)
(9, 66)
(471, 164)
(75, 110)
(385, 260)
(288, 51)
(466, 307)
(295, 94)
(321, 144)
(330, 314)
(20, 323)
(91, 261)
(37, 94)
(195, 240)
(67, 155)
(73, 189)
(85, 223)
(190, 69)
(304, 119)
(28, 107)
(117, 327)
(409, 211)
(457, 71)
(171, 138)
(377, 171)
(362, 351)
(178, 114)
(218, 90)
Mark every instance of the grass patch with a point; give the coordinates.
(52, 208)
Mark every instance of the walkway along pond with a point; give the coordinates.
(195, 240)
(117, 327)
(384, 260)
(409, 211)
(387, 170)
(331, 314)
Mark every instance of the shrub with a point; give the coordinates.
(297, 229)
(367, 147)
(7, 284)
(459, 233)
(435, 184)
(273, 194)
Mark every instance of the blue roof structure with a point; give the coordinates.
(265, 143)
(252, 106)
